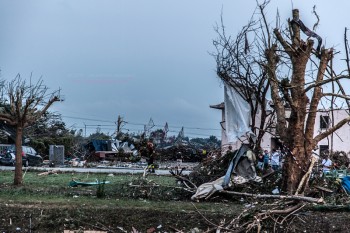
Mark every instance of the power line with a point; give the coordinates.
(87, 119)
(173, 131)
(100, 125)
(104, 127)
(170, 126)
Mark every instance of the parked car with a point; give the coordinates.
(29, 157)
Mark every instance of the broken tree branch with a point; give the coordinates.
(293, 211)
(288, 49)
(331, 130)
(346, 97)
(323, 82)
(307, 175)
(282, 197)
(286, 211)
(183, 179)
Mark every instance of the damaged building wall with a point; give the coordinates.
(339, 141)
(225, 143)
(341, 138)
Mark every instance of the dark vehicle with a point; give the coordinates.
(29, 157)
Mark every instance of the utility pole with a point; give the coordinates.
(120, 123)
(85, 129)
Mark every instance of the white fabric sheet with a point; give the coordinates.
(237, 115)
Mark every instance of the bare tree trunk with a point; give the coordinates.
(298, 161)
(18, 166)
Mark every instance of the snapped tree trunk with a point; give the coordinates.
(297, 160)
(300, 130)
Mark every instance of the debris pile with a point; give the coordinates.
(340, 159)
(264, 203)
(211, 168)
(185, 153)
(132, 149)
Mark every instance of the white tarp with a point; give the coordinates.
(237, 115)
(207, 189)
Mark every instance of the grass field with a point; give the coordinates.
(48, 204)
(131, 199)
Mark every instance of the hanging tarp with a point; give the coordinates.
(308, 32)
(237, 115)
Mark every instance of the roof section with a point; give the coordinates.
(218, 106)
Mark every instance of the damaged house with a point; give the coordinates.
(338, 141)
(110, 150)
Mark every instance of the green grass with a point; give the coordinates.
(157, 192)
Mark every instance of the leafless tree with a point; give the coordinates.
(294, 72)
(240, 66)
(24, 103)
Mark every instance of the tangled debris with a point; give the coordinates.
(265, 205)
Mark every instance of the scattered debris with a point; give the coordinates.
(277, 207)
(75, 183)
(241, 169)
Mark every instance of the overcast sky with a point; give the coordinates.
(138, 59)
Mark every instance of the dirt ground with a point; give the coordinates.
(57, 218)
(53, 218)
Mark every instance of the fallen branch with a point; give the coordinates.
(47, 173)
(210, 222)
(236, 220)
(260, 217)
(286, 211)
(183, 179)
(307, 175)
(25, 173)
(218, 227)
(283, 197)
(324, 189)
(188, 187)
(293, 210)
